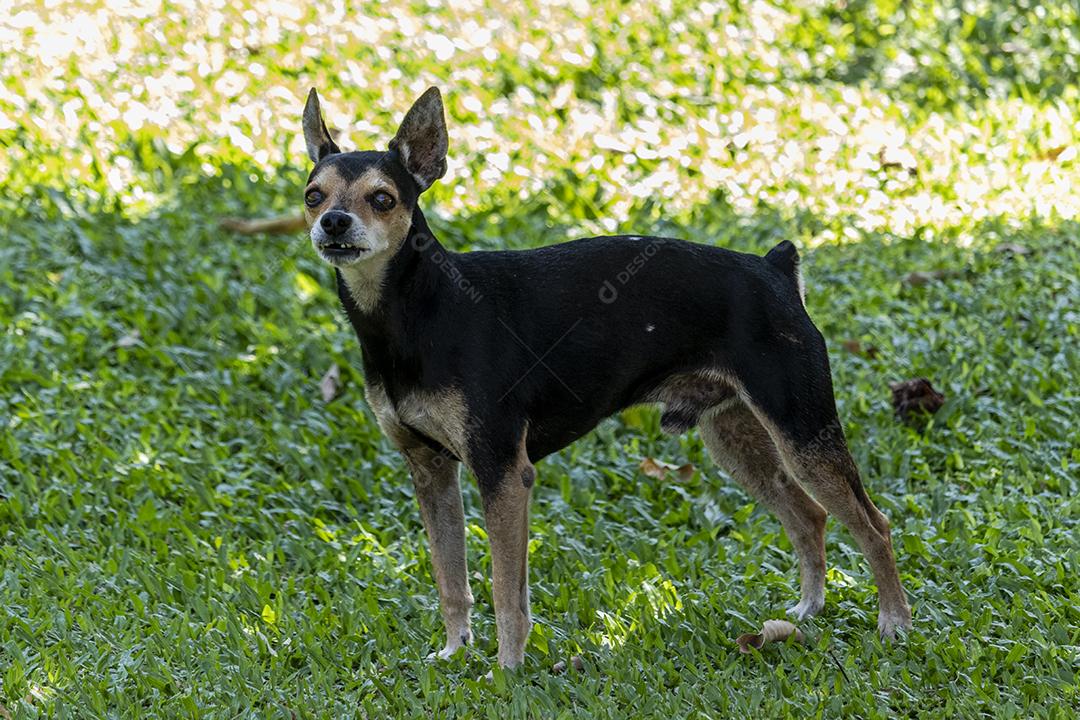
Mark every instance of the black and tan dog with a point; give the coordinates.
(497, 359)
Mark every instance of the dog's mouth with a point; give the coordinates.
(341, 252)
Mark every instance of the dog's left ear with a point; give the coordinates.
(422, 141)
(317, 137)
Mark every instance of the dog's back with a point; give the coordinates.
(621, 316)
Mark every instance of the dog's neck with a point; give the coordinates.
(382, 295)
(372, 282)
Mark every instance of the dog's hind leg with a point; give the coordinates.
(740, 445)
(435, 477)
(827, 469)
(790, 392)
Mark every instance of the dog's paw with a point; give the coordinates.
(893, 623)
(447, 652)
(454, 644)
(807, 607)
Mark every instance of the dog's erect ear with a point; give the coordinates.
(317, 137)
(421, 140)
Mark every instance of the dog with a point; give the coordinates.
(497, 359)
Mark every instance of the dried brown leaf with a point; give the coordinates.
(283, 224)
(771, 631)
(330, 383)
(922, 277)
(653, 468)
(1053, 153)
(856, 347)
(659, 469)
(915, 397)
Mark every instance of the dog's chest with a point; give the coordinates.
(438, 414)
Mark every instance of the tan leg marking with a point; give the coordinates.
(738, 443)
(441, 415)
(435, 477)
(506, 513)
(438, 492)
(826, 468)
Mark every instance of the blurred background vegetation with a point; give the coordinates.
(887, 115)
(189, 529)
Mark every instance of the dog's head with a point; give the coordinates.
(359, 205)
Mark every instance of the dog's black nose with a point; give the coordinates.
(335, 222)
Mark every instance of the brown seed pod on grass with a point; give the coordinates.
(771, 631)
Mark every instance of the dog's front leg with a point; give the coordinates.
(435, 477)
(506, 513)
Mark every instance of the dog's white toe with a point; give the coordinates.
(446, 653)
(807, 607)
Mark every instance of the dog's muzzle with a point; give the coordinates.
(337, 238)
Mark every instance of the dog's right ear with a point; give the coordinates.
(317, 137)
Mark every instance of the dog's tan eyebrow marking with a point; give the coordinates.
(328, 181)
(333, 185)
(373, 180)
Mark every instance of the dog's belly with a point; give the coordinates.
(683, 398)
(552, 435)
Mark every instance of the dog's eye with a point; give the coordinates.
(314, 198)
(382, 201)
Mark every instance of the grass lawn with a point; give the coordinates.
(188, 530)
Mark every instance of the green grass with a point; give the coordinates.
(189, 531)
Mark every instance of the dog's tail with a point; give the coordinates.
(785, 258)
